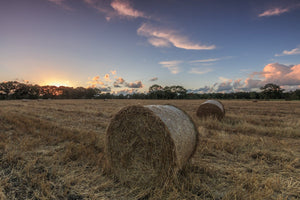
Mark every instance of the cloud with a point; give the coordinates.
(62, 4)
(237, 84)
(276, 73)
(105, 89)
(200, 70)
(136, 84)
(124, 8)
(113, 72)
(159, 42)
(225, 86)
(163, 37)
(274, 12)
(278, 11)
(95, 81)
(291, 52)
(153, 79)
(205, 60)
(119, 82)
(280, 74)
(205, 89)
(106, 78)
(172, 65)
(115, 8)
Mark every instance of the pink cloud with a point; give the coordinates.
(274, 12)
(285, 76)
(162, 37)
(291, 52)
(279, 10)
(124, 8)
(95, 81)
(118, 82)
(276, 73)
(106, 78)
(159, 42)
(114, 8)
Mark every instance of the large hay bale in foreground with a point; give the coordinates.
(147, 144)
(211, 108)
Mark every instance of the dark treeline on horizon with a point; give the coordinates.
(15, 90)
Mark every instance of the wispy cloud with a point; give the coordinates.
(159, 42)
(163, 37)
(291, 52)
(153, 79)
(205, 60)
(275, 11)
(124, 8)
(200, 70)
(62, 4)
(172, 65)
(116, 8)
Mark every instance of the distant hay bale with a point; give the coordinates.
(211, 108)
(147, 144)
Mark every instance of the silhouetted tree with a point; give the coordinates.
(272, 91)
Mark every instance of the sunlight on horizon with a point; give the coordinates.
(57, 83)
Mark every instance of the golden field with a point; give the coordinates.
(54, 149)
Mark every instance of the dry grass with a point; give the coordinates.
(53, 149)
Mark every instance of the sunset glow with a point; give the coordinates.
(128, 45)
(58, 83)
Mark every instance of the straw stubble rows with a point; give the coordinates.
(54, 149)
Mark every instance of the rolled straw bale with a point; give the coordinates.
(211, 108)
(147, 144)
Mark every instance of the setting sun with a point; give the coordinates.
(58, 83)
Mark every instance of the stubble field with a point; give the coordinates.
(54, 149)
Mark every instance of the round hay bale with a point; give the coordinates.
(211, 108)
(145, 145)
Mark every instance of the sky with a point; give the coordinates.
(125, 46)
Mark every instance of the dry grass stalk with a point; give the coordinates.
(211, 108)
(145, 145)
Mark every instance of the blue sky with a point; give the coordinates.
(128, 45)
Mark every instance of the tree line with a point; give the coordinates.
(16, 90)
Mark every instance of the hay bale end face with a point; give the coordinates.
(147, 144)
(211, 108)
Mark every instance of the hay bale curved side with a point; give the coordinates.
(211, 108)
(147, 144)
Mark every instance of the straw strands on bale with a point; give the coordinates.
(147, 144)
(211, 108)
